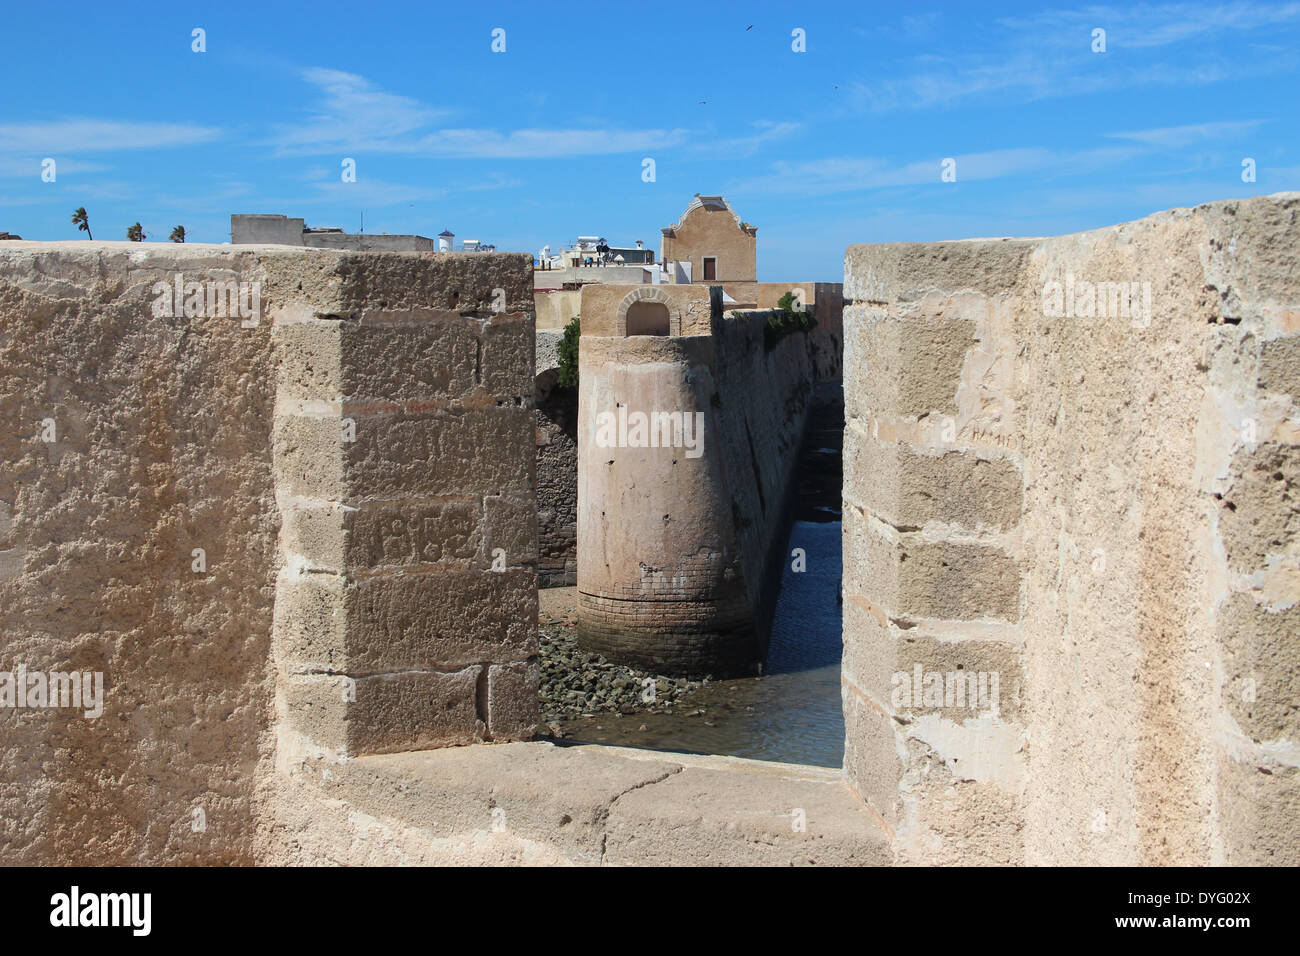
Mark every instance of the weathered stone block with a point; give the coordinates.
(973, 677)
(452, 451)
(442, 452)
(439, 620)
(1259, 804)
(949, 812)
(309, 361)
(509, 354)
(421, 355)
(512, 704)
(308, 452)
(904, 271)
(872, 762)
(459, 283)
(411, 533)
(1261, 510)
(510, 523)
(903, 368)
(1260, 651)
(384, 534)
(1279, 366)
(908, 488)
(385, 713)
(910, 578)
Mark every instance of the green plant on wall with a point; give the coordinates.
(786, 319)
(568, 349)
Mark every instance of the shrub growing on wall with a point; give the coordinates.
(786, 319)
(568, 349)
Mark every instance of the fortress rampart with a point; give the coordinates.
(274, 535)
(1074, 463)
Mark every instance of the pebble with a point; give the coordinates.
(577, 684)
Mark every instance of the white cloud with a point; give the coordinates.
(95, 136)
(354, 116)
(1049, 55)
(842, 175)
(853, 174)
(352, 113)
(766, 131)
(1175, 136)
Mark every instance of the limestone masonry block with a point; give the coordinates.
(1261, 516)
(872, 754)
(386, 534)
(1279, 366)
(881, 650)
(908, 488)
(512, 691)
(440, 452)
(904, 271)
(508, 354)
(434, 281)
(912, 577)
(385, 713)
(905, 369)
(1260, 807)
(1261, 647)
(509, 523)
(441, 620)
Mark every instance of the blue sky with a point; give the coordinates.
(840, 144)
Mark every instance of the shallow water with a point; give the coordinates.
(793, 712)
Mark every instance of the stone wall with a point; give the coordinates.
(348, 461)
(556, 308)
(827, 301)
(1098, 507)
(286, 231)
(554, 279)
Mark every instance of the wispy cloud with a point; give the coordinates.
(97, 136)
(850, 175)
(352, 115)
(765, 131)
(1049, 55)
(1176, 136)
(369, 193)
(1154, 25)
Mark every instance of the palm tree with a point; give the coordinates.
(82, 221)
(178, 234)
(135, 233)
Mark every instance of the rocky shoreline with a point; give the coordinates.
(577, 684)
